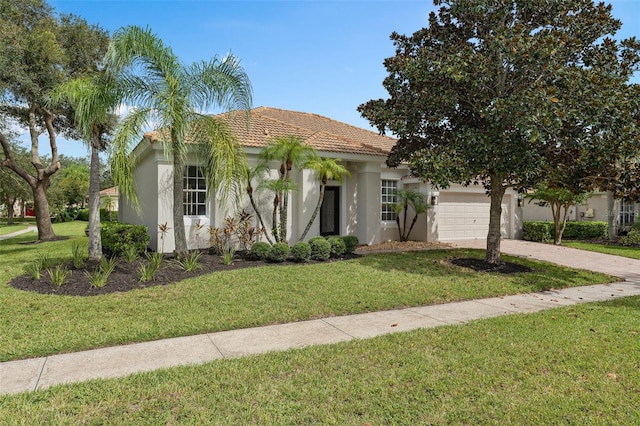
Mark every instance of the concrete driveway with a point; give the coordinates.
(622, 267)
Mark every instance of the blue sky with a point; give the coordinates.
(322, 57)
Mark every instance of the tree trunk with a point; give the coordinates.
(41, 207)
(315, 213)
(613, 215)
(413, 223)
(11, 204)
(179, 234)
(274, 219)
(259, 216)
(95, 239)
(495, 215)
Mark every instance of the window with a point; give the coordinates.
(195, 192)
(628, 213)
(389, 198)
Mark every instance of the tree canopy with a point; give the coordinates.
(38, 51)
(487, 94)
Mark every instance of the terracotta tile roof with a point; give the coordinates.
(322, 133)
(113, 191)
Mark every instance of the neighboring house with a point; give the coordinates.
(109, 199)
(357, 206)
(596, 208)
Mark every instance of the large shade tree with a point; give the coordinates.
(38, 51)
(174, 97)
(469, 93)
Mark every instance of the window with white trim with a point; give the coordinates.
(194, 197)
(388, 197)
(628, 213)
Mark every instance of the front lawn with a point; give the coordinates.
(567, 366)
(35, 325)
(631, 252)
(9, 229)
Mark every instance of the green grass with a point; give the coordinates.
(9, 229)
(631, 252)
(35, 325)
(568, 366)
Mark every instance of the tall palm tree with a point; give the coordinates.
(94, 100)
(290, 151)
(326, 169)
(174, 98)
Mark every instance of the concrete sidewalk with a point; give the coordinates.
(30, 228)
(40, 373)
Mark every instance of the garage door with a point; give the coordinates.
(463, 216)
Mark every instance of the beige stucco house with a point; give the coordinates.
(357, 206)
(601, 206)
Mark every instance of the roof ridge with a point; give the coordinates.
(312, 114)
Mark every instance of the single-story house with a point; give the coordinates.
(597, 208)
(109, 199)
(357, 206)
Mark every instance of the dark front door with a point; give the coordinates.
(330, 211)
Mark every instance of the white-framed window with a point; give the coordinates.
(628, 213)
(388, 197)
(194, 197)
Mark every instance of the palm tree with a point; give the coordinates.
(94, 100)
(173, 97)
(290, 151)
(408, 198)
(257, 174)
(281, 188)
(326, 169)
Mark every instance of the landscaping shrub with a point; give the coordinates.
(83, 214)
(585, 230)
(260, 250)
(338, 247)
(278, 252)
(350, 243)
(301, 251)
(119, 238)
(107, 216)
(320, 248)
(538, 231)
(632, 239)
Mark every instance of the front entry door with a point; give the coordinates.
(330, 211)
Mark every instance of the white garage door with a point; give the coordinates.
(464, 216)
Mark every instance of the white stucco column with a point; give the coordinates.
(368, 198)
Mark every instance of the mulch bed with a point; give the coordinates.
(480, 265)
(126, 276)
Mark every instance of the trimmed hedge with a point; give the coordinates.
(538, 231)
(350, 243)
(105, 216)
(338, 246)
(320, 248)
(119, 238)
(260, 250)
(278, 252)
(544, 231)
(301, 251)
(83, 214)
(585, 230)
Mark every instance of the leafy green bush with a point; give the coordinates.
(320, 248)
(632, 239)
(338, 247)
(278, 252)
(301, 251)
(585, 230)
(350, 243)
(108, 216)
(538, 231)
(260, 250)
(83, 214)
(118, 238)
